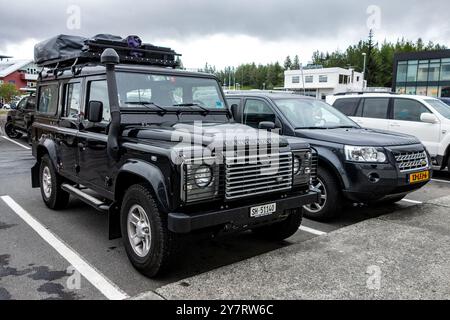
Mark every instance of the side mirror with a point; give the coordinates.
(266, 125)
(95, 111)
(428, 118)
(234, 110)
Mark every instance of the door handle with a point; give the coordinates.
(394, 124)
(81, 146)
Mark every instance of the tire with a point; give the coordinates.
(331, 201)
(11, 132)
(50, 182)
(448, 164)
(150, 256)
(281, 230)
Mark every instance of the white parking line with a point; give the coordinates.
(19, 144)
(438, 180)
(98, 280)
(312, 231)
(412, 201)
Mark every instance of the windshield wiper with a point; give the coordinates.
(147, 105)
(205, 110)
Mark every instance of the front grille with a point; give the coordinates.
(314, 165)
(408, 161)
(254, 175)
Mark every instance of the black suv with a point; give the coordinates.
(20, 119)
(355, 164)
(157, 150)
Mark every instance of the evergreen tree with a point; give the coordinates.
(287, 63)
(296, 63)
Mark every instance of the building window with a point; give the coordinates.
(400, 90)
(295, 79)
(323, 79)
(309, 79)
(432, 91)
(433, 75)
(412, 71)
(421, 91)
(402, 69)
(410, 90)
(12, 81)
(445, 70)
(422, 74)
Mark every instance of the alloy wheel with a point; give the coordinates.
(139, 230)
(318, 206)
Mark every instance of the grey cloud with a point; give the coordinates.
(264, 19)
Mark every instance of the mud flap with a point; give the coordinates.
(35, 176)
(114, 222)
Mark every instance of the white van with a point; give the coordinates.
(425, 117)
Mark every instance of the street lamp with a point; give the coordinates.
(364, 69)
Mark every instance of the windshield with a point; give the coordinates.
(168, 91)
(313, 114)
(440, 107)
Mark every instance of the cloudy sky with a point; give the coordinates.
(225, 32)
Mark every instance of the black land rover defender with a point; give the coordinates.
(20, 119)
(157, 150)
(355, 164)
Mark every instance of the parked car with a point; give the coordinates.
(20, 118)
(355, 164)
(149, 162)
(445, 100)
(425, 117)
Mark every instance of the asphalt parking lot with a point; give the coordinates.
(38, 246)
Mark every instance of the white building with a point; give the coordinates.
(320, 82)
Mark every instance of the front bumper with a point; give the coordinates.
(390, 181)
(238, 217)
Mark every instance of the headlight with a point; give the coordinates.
(203, 176)
(364, 154)
(297, 165)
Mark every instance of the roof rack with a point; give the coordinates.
(69, 55)
(363, 92)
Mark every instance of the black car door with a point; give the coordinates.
(69, 123)
(95, 167)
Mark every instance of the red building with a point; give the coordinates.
(22, 73)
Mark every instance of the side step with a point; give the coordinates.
(86, 198)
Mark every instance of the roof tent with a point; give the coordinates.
(65, 51)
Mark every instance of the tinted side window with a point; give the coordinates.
(72, 99)
(48, 99)
(408, 110)
(347, 106)
(376, 108)
(256, 111)
(98, 91)
(234, 101)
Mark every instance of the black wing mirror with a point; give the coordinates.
(266, 125)
(95, 111)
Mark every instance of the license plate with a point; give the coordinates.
(262, 211)
(419, 177)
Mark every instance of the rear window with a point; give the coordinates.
(376, 108)
(347, 106)
(48, 99)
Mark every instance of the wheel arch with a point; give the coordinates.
(329, 161)
(140, 172)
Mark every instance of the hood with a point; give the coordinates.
(358, 137)
(206, 134)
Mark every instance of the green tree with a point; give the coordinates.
(296, 63)
(287, 63)
(8, 91)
